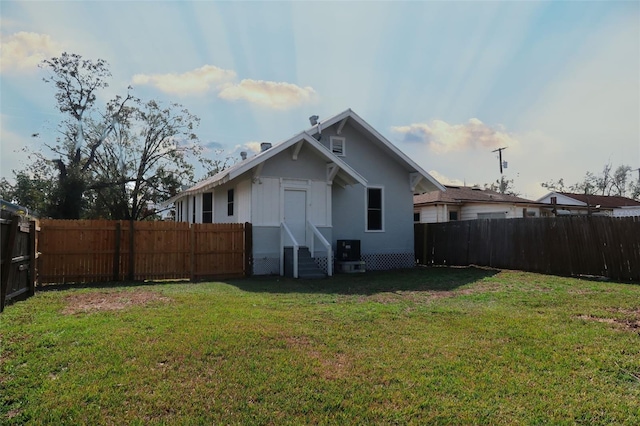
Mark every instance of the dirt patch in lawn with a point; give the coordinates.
(333, 367)
(110, 301)
(426, 294)
(628, 319)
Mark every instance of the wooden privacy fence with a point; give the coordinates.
(17, 257)
(103, 250)
(570, 245)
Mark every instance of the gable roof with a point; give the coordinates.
(424, 182)
(467, 194)
(605, 201)
(346, 173)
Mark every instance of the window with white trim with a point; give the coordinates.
(207, 207)
(337, 146)
(230, 202)
(375, 213)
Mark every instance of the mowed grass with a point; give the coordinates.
(423, 346)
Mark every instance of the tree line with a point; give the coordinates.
(620, 182)
(115, 161)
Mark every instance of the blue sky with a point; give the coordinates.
(558, 83)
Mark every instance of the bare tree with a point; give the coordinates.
(608, 182)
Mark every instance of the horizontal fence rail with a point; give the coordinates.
(572, 246)
(103, 250)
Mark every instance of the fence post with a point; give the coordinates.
(192, 235)
(132, 268)
(33, 255)
(116, 254)
(248, 249)
(7, 261)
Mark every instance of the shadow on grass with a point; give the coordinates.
(368, 283)
(108, 284)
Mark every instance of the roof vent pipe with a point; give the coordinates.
(243, 155)
(264, 146)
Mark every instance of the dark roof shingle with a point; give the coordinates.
(461, 194)
(608, 201)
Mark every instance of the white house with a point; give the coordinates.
(468, 203)
(338, 180)
(565, 203)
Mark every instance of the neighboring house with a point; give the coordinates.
(468, 203)
(564, 203)
(340, 179)
(16, 209)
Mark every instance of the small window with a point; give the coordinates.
(374, 209)
(416, 217)
(453, 216)
(554, 200)
(492, 215)
(230, 202)
(338, 146)
(207, 207)
(193, 210)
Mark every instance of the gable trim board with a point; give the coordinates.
(344, 172)
(350, 115)
(335, 189)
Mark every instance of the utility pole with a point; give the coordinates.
(499, 150)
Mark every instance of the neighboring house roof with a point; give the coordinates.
(604, 201)
(421, 180)
(467, 194)
(16, 209)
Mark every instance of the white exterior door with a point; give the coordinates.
(295, 214)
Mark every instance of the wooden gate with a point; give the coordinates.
(18, 254)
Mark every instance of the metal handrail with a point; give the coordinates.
(316, 233)
(285, 229)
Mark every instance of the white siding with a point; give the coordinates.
(265, 200)
(470, 211)
(243, 197)
(626, 212)
(561, 199)
(199, 208)
(440, 213)
(433, 214)
(319, 214)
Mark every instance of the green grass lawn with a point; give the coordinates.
(424, 346)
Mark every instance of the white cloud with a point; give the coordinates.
(445, 180)
(209, 78)
(443, 137)
(23, 51)
(199, 81)
(278, 95)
